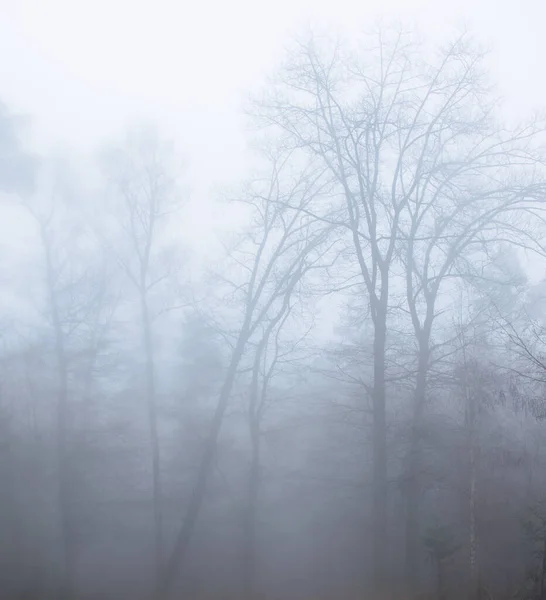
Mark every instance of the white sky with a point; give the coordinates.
(84, 68)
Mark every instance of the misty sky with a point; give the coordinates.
(358, 396)
(85, 70)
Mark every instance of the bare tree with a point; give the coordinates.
(271, 356)
(479, 188)
(279, 249)
(387, 129)
(144, 179)
(78, 310)
(57, 279)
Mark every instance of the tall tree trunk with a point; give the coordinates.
(63, 461)
(67, 529)
(154, 438)
(472, 536)
(379, 439)
(472, 529)
(178, 555)
(413, 473)
(250, 515)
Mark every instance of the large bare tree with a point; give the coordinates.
(414, 157)
(147, 199)
(279, 248)
(480, 189)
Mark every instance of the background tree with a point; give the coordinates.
(415, 157)
(370, 333)
(283, 247)
(143, 177)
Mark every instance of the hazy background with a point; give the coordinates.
(138, 369)
(84, 70)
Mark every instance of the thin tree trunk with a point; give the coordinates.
(379, 437)
(249, 523)
(414, 467)
(470, 392)
(472, 541)
(64, 493)
(250, 516)
(178, 555)
(154, 438)
(472, 511)
(67, 533)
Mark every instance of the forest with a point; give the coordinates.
(339, 394)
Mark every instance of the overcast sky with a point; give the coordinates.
(84, 69)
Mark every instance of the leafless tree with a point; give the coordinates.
(479, 188)
(279, 249)
(271, 356)
(147, 200)
(412, 153)
(79, 308)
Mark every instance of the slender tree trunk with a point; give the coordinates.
(63, 461)
(472, 535)
(414, 467)
(67, 532)
(250, 515)
(473, 542)
(379, 438)
(36, 576)
(154, 438)
(178, 555)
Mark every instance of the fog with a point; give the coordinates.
(273, 310)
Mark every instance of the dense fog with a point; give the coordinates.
(335, 390)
